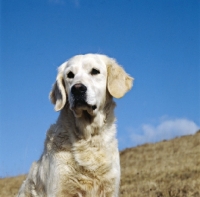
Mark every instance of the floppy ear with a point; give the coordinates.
(118, 81)
(58, 93)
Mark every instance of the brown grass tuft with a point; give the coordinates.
(165, 169)
(10, 186)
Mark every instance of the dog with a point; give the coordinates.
(81, 157)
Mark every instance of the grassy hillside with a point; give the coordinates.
(165, 169)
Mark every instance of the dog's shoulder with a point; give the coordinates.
(57, 139)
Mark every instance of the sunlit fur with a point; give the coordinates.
(80, 157)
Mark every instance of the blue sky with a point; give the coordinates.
(156, 41)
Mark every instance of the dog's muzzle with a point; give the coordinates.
(79, 94)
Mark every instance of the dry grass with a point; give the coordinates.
(165, 169)
(9, 186)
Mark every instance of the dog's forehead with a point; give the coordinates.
(86, 62)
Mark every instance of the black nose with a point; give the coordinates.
(79, 89)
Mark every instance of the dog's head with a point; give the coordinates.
(85, 80)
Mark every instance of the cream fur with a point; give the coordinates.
(80, 157)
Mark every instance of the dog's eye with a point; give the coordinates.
(70, 75)
(95, 71)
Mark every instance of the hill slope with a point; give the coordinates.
(168, 168)
(165, 169)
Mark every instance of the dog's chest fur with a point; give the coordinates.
(86, 153)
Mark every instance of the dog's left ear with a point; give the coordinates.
(118, 81)
(58, 93)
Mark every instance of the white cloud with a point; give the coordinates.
(165, 130)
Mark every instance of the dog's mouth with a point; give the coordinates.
(80, 105)
(79, 102)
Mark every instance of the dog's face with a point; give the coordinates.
(85, 80)
(85, 83)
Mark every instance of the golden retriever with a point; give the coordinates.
(80, 157)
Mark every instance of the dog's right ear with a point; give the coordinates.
(58, 93)
(118, 81)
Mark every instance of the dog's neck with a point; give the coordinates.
(87, 125)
